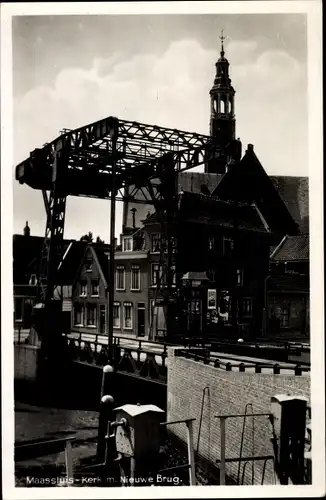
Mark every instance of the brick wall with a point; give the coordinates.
(26, 362)
(227, 393)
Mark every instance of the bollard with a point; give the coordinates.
(106, 374)
(105, 416)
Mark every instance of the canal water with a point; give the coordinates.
(68, 406)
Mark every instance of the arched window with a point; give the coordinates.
(215, 102)
(223, 107)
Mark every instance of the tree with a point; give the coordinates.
(87, 237)
(99, 240)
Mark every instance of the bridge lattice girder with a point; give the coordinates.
(80, 162)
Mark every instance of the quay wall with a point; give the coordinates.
(227, 392)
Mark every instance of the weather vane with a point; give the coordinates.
(222, 38)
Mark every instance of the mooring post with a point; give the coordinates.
(191, 454)
(106, 407)
(222, 463)
(106, 374)
(68, 460)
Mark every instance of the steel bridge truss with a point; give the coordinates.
(146, 160)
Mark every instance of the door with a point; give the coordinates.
(194, 316)
(141, 319)
(102, 318)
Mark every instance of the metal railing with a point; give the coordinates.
(30, 451)
(240, 365)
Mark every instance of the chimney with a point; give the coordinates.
(115, 243)
(27, 230)
(133, 211)
(250, 148)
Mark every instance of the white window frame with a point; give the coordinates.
(33, 280)
(119, 268)
(239, 277)
(117, 305)
(97, 284)
(93, 306)
(159, 242)
(134, 268)
(126, 239)
(82, 313)
(127, 304)
(20, 319)
(160, 270)
(81, 293)
(246, 314)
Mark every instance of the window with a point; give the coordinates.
(211, 275)
(89, 265)
(247, 307)
(228, 245)
(79, 315)
(95, 288)
(210, 243)
(83, 289)
(157, 273)
(285, 317)
(156, 242)
(239, 277)
(135, 278)
(174, 276)
(127, 244)
(116, 315)
(91, 315)
(120, 278)
(33, 280)
(19, 309)
(127, 317)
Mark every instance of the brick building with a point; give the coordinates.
(88, 288)
(26, 258)
(287, 289)
(231, 179)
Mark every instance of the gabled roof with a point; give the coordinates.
(248, 181)
(204, 209)
(294, 191)
(26, 256)
(70, 263)
(100, 252)
(292, 248)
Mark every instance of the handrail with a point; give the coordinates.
(228, 365)
(34, 450)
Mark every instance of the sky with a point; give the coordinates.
(72, 70)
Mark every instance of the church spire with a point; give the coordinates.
(222, 116)
(222, 38)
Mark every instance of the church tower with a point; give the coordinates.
(222, 117)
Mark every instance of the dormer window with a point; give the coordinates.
(95, 289)
(83, 289)
(33, 280)
(210, 243)
(127, 244)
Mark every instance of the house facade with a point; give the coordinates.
(287, 289)
(89, 291)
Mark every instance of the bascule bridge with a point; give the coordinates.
(110, 159)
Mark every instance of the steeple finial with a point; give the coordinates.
(222, 38)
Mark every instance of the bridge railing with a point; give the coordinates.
(132, 356)
(30, 451)
(241, 366)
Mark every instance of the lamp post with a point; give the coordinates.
(114, 137)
